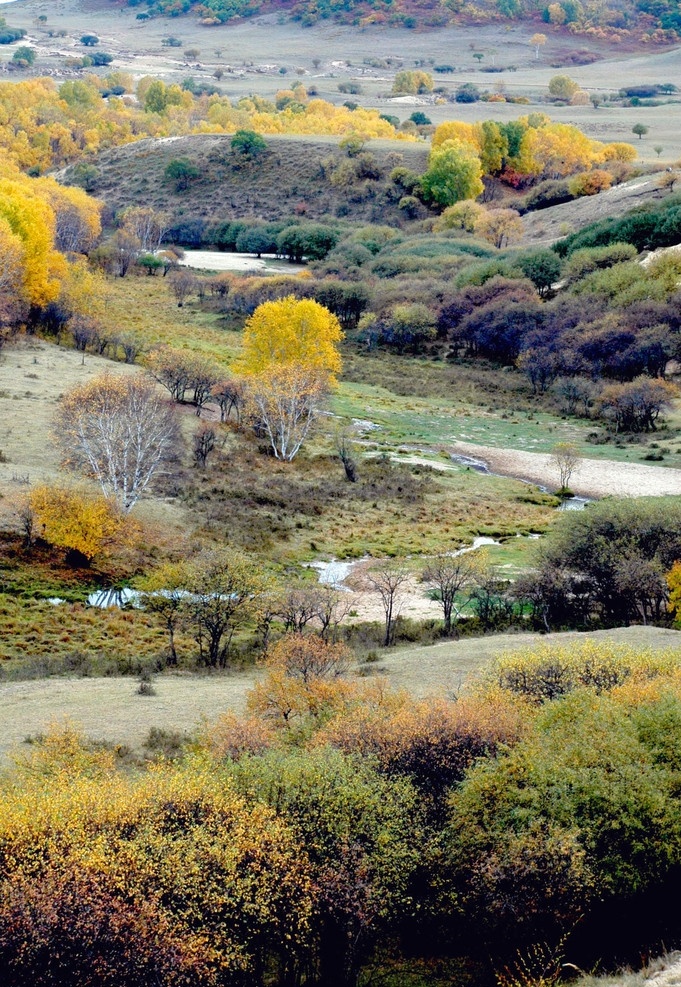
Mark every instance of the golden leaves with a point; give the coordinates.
(75, 519)
(291, 333)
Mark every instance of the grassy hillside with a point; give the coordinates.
(296, 175)
(641, 17)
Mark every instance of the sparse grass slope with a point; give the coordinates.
(289, 179)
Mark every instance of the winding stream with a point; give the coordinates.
(480, 466)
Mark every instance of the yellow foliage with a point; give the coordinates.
(469, 133)
(291, 333)
(83, 291)
(73, 206)
(499, 226)
(32, 220)
(461, 216)
(619, 151)
(75, 519)
(12, 254)
(228, 875)
(549, 672)
(674, 584)
(560, 149)
(42, 126)
(39, 219)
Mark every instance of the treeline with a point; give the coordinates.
(86, 115)
(341, 831)
(46, 230)
(609, 566)
(656, 20)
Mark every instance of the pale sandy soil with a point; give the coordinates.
(592, 478)
(215, 260)
(411, 600)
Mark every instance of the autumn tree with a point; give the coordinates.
(230, 396)
(56, 927)
(182, 372)
(412, 81)
(454, 173)
(12, 254)
(565, 459)
(203, 444)
(347, 453)
(297, 606)
(461, 216)
(499, 226)
(537, 41)
(84, 524)
(636, 405)
(148, 225)
(164, 593)
(183, 283)
(562, 86)
(224, 588)
(28, 226)
(289, 361)
(389, 580)
(674, 585)
(284, 403)
(77, 216)
(309, 657)
(119, 431)
(122, 250)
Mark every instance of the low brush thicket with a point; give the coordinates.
(342, 831)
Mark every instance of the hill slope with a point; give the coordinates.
(544, 226)
(622, 17)
(297, 175)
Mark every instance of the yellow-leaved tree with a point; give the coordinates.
(83, 523)
(40, 222)
(674, 584)
(290, 360)
(119, 431)
(292, 332)
(31, 220)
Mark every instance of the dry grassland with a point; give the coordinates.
(110, 710)
(33, 376)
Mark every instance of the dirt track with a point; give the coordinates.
(593, 478)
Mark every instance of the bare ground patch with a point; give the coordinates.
(545, 226)
(592, 478)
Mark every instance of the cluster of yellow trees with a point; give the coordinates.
(530, 146)
(45, 228)
(43, 125)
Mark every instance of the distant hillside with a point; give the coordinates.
(656, 20)
(311, 178)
